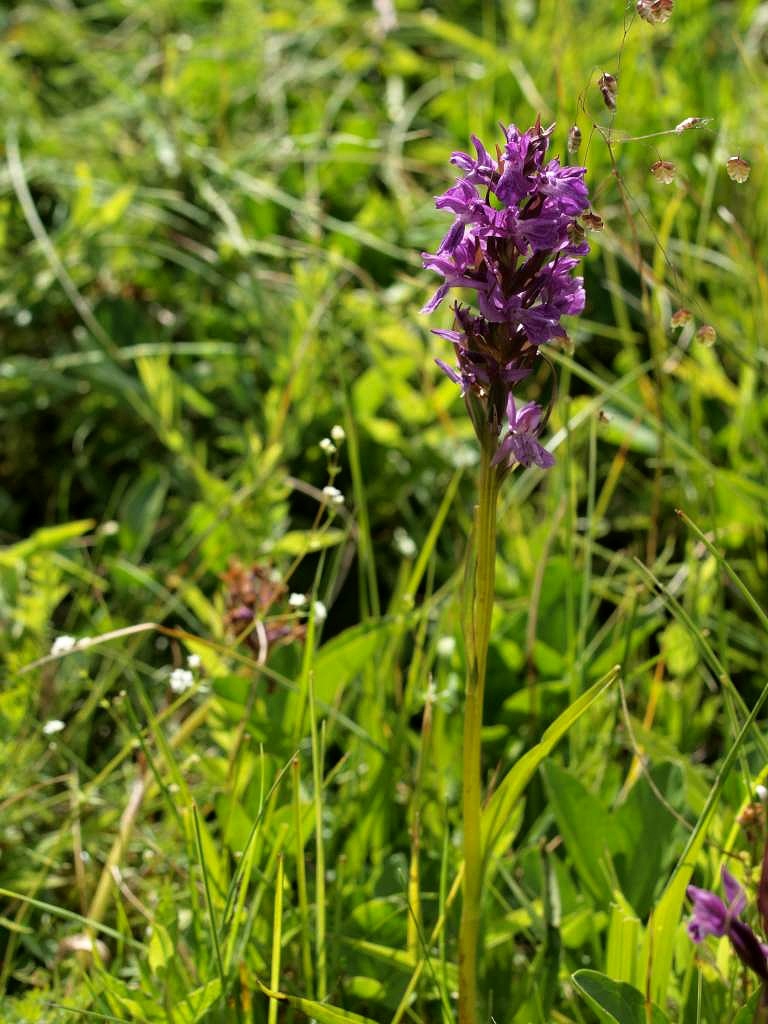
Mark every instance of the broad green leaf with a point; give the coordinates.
(650, 826)
(140, 510)
(624, 944)
(323, 1013)
(592, 835)
(616, 1002)
(160, 948)
(338, 661)
(198, 1002)
(361, 987)
(45, 539)
(500, 808)
(300, 542)
(679, 648)
(113, 209)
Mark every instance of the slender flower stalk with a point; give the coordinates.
(478, 608)
(515, 242)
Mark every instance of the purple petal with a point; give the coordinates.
(737, 901)
(452, 239)
(454, 336)
(436, 299)
(449, 371)
(526, 450)
(709, 914)
(528, 418)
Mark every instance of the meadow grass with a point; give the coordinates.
(212, 216)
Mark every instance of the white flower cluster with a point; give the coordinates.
(330, 445)
(182, 679)
(334, 494)
(64, 644)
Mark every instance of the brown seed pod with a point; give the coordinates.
(680, 318)
(738, 169)
(706, 335)
(576, 233)
(592, 221)
(608, 87)
(663, 171)
(690, 122)
(655, 12)
(574, 138)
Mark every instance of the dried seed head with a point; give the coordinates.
(574, 139)
(655, 12)
(706, 335)
(690, 122)
(663, 171)
(576, 235)
(680, 318)
(591, 221)
(608, 87)
(738, 169)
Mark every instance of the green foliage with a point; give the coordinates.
(211, 217)
(616, 1002)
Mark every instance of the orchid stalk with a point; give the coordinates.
(515, 242)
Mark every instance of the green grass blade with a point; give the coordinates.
(501, 807)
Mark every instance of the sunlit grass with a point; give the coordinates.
(212, 219)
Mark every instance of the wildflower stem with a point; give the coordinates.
(478, 606)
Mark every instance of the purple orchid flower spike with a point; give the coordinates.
(711, 916)
(515, 241)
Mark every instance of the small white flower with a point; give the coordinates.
(337, 498)
(181, 679)
(337, 433)
(761, 793)
(52, 727)
(297, 600)
(63, 644)
(445, 646)
(193, 661)
(327, 446)
(321, 612)
(404, 543)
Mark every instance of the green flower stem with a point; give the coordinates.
(478, 607)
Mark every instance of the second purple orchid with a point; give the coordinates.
(515, 240)
(712, 916)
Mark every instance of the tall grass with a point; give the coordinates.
(212, 216)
